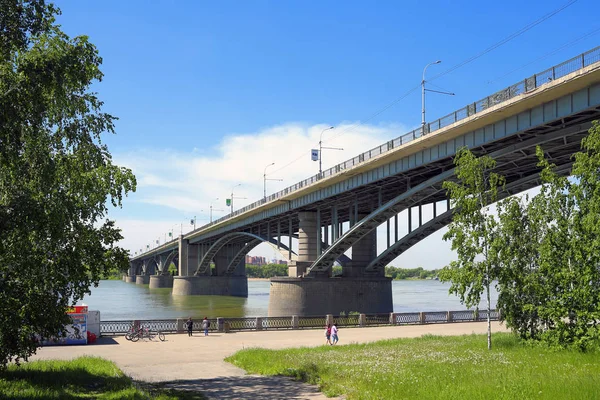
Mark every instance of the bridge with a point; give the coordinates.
(552, 109)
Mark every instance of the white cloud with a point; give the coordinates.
(175, 185)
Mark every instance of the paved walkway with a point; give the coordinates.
(196, 363)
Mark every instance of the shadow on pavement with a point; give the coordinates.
(249, 387)
(104, 341)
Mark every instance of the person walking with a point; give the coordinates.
(189, 324)
(334, 334)
(205, 325)
(328, 334)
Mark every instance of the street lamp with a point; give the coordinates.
(265, 180)
(423, 90)
(321, 148)
(211, 208)
(193, 221)
(231, 202)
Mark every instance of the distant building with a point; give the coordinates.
(256, 260)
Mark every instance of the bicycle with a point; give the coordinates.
(132, 331)
(145, 333)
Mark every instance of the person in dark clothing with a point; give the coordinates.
(189, 325)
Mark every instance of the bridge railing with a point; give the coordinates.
(295, 322)
(537, 80)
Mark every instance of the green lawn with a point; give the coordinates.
(82, 378)
(433, 367)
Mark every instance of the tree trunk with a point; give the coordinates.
(489, 322)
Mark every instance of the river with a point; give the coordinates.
(118, 300)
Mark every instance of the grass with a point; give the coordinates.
(434, 367)
(82, 378)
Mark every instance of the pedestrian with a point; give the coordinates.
(189, 324)
(334, 334)
(328, 334)
(205, 325)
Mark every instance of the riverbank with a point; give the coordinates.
(197, 362)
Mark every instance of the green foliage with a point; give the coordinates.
(55, 176)
(82, 378)
(336, 270)
(266, 271)
(434, 367)
(172, 269)
(409, 273)
(472, 231)
(550, 285)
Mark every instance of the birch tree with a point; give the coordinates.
(56, 176)
(472, 230)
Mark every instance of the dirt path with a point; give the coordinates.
(196, 363)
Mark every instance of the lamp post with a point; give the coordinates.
(423, 90)
(193, 221)
(321, 149)
(239, 184)
(211, 208)
(265, 180)
(423, 96)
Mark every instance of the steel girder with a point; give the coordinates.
(445, 218)
(166, 261)
(433, 187)
(147, 265)
(231, 237)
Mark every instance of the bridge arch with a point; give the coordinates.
(416, 195)
(165, 262)
(241, 254)
(233, 237)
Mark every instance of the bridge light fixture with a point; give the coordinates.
(265, 181)
(423, 90)
(321, 149)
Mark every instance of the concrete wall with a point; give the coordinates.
(161, 281)
(210, 285)
(314, 296)
(142, 279)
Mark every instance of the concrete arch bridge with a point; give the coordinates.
(328, 216)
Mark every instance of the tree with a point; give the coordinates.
(522, 226)
(570, 253)
(56, 176)
(472, 230)
(549, 254)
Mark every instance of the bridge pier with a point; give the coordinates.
(210, 286)
(130, 278)
(322, 295)
(161, 281)
(142, 279)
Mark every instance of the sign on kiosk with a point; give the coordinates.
(76, 331)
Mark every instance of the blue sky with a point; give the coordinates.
(208, 93)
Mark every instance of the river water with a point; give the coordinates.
(118, 300)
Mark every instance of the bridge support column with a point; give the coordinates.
(307, 243)
(184, 248)
(142, 279)
(160, 281)
(321, 296)
(130, 279)
(221, 261)
(210, 286)
(363, 252)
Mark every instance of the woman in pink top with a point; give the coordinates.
(334, 334)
